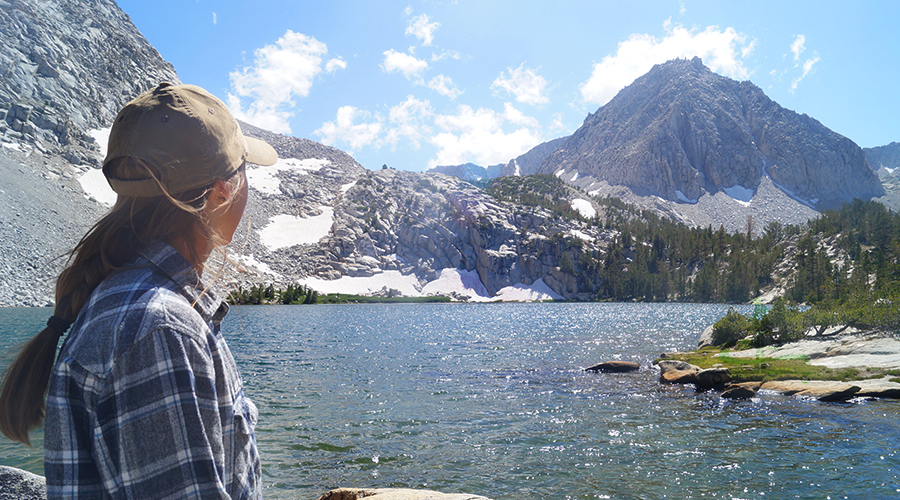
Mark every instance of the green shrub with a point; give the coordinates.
(780, 325)
(731, 328)
(743, 345)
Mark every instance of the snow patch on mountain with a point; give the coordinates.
(739, 193)
(285, 230)
(459, 283)
(584, 207)
(95, 186)
(265, 179)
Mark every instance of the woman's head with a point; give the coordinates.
(180, 144)
(192, 221)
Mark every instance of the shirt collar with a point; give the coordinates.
(179, 270)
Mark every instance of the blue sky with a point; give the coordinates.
(421, 83)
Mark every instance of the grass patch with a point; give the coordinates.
(763, 369)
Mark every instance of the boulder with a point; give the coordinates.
(745, 390)
(395, 494)
(712, 377)
(844, 395)
(680, 372)
(822, 390)
(677, 372)
(614, 367)
(706, 338)
(17, 484)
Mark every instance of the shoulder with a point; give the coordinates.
(126, 308)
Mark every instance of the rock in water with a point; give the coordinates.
(614, 367)
(712, 377)
(844, 395)
(741, 391)
(677, 372)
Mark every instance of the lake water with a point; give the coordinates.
(491, 399)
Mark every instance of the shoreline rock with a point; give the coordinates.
(745, 390)
(844, 349)
(19, 484)
(825, 390)
(680, 372)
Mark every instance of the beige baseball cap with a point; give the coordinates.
(187, 134)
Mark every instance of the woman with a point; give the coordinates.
(145, 400)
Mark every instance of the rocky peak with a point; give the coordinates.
(682, 131)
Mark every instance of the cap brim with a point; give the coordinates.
(260, 153)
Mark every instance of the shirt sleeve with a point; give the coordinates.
(158, 427)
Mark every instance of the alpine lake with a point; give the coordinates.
(492, 399)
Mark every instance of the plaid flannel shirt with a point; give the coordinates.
(145, 399)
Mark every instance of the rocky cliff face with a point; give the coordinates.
(415, 224)
(887, 157)
(68, 67)
(886, 161)
(682, 131)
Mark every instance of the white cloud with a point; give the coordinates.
(279, 72)
(748, 49)
(258, 114)
(446, 54)
(215, 19)
(422, 29)
(721, 50)
(797, 47)
(479, 137)
(444, 85)
(557, 125)
(343, 130)
(516, 117)
(335, 64)
(408, 119)
(404, 63)
(807, 67)
(523, 84)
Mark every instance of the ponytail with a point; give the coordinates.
(110, 244)
(20, 412)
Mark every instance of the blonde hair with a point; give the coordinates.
(132, 223)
